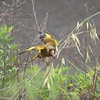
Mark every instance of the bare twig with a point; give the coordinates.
(71, 8)
(35, 16)
(44, 22)
(28, 14)
(26, 26)
(74, 60)
(90, 94)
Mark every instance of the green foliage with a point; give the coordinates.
(7, 58)
(62, 85)
(84, 80)
(52, 83)
(38, 85)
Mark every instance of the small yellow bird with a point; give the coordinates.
(43, 52)
(46, 50)
(48, 40)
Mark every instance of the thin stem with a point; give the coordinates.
(35, 16)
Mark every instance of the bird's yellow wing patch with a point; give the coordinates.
(39, 47)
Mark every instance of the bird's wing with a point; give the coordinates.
(39, 47)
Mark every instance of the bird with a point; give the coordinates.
(42, 52)
(48, 48)
(48, 40)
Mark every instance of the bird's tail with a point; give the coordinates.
(27, 50)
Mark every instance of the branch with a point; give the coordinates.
(34, 12)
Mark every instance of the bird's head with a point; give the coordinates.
(43, 35)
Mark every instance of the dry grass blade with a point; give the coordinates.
(94, 81)
(92, 29)
(87, 56)
(77, 43)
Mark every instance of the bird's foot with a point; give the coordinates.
(53, 54)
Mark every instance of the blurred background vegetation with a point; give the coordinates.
(63, 18)
(74, 75)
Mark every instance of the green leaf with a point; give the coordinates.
(13, 46)
(11, 59)
(7, 40)
(10, 28)
(0, 33)
(5, 27)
